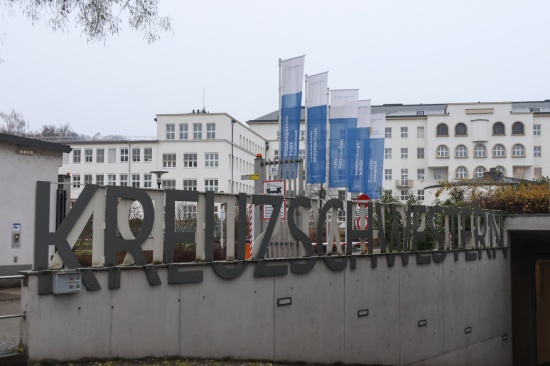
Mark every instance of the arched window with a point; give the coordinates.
(501, 169)
(480, 151)
(442, 130)
(499, 151)
(461, 172)
(518, 151)
(461, 130)
(518, 129)
(461, 151)
(479, 172)
(442, 151)
(498, 128)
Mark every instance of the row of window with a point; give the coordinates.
(460, 173)
(190, 160)
(124, 155)
(461, 151)
(301, 154)
(184, 131)
(462, 130)
(136, 181)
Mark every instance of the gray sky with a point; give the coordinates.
(398, 51)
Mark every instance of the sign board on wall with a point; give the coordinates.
(273, 188)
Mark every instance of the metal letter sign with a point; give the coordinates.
(274, 188)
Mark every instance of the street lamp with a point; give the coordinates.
(159, 174)
(232, 124)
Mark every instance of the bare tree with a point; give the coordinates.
(13, 123)
(97, 18)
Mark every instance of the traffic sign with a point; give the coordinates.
(250, 177)
(363, 200)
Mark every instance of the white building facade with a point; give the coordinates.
(195, 151)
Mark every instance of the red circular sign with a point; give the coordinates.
(363, 200)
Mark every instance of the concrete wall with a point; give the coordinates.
(466, 306)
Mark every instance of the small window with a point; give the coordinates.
(461, 130)
(168, 160)
(123, 155)
(197, 131)
(148, 154)
(420, 174)
(136, 154)
(480, 151)
(168, 184)
(404, 153)
(404, 195)
(87, 179)
(499, 151)
(442, 130)
(461, 172)
(76, 181)
(111, 179)
(387, 153)
(387, 174)
(404, 177)
(461, 151)
(404, 132)
(420, 195)
(478, 172)
(76, 156)
(184, 131)
(518, 151)
(189, 160)
(88, 155)
(135, 180)
(210, 130)
(437, 174)
(189, 184)
(537, 151)
(147, 180)
(211, 160)
(420, 153)
(388, 132)
(536, 130)
(442, 151)
(518, 129)
(124, 180)
(420, 132)
(211, 185)
(100, 155)
(100, 179)
(111, 155)
(538, 173)
(498, 129)
(170, 131)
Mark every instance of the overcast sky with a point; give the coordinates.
(399, 51)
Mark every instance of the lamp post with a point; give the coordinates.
(159, 174)
(232, 124)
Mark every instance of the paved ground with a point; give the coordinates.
(9, 328)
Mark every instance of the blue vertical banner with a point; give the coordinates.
(358, 156)
(374, 155)
(343, 123)
(316, 127)
(291, 83)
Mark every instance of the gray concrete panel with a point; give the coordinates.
(460, 304)
(458, 357)
(374, 338)
(421, 309)
(491, 352)
(311, 328)
(494, 291)
(228, 318)
(66, 327)
(145, 319)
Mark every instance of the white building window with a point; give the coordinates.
(478, 172)
(437, 174)
(135, 180)
(88, 155)
(100, 179)
(136, 154)
(168, 184)
(189, 160)
(100, 155)
(518, 151)
(404, 177)
(404, 195)
(442, 151)
(480, 151)
(420, 153)
(124, 180)
(420, 195)
(147, 180)
(197, 131)
(170, 132)
(148, 154)
(184, 131)
(388, 132)
(404, 132)
(387, 174)
(387, 153)
(210, 130)
(420, 174)
(537, 151)
(211, 160)
(111, 155)
(518, 129)
(536, 130)
(461, 151)
(190, 184)
(168, 160)
(404, 153)
(276, 154)
(76, 181)
(461, 172)
(123, 155)
(420, 132)
(111, 179)
(76, 156)
(88, 179)
(501, 169)
(211, 185)
(499, 151)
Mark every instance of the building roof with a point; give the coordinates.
(414, 110)
(37, 144)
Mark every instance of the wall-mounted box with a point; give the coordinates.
(67, 282)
